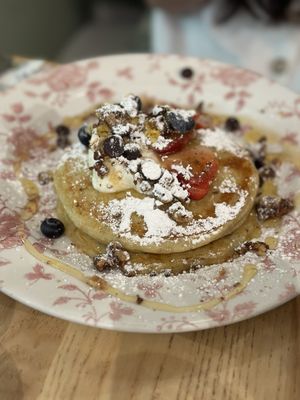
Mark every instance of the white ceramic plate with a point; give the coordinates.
(27, 111)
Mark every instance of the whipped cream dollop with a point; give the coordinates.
(121, 152)
(117, 179)
(121, 173)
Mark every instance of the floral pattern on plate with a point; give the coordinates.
(31, 109)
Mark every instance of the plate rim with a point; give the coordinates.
(103, 324)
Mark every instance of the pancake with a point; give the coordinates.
(216, 252)
(135, 220)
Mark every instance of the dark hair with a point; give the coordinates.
(269, 10)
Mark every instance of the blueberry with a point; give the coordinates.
(84, 135)
(113, 146)
(187, 73)
(232, 124)
(178, 123)
(132, 154)
(52, 228)
(62, 130)
(259, 162)
(62, 141)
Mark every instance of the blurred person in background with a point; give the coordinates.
(262, 35)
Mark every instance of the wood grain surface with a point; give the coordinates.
(42, 357)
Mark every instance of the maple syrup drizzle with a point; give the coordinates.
(101, 284)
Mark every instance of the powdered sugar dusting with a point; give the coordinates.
(185, 172)
(130, 105)
(184, 114)
(108, 109)
(226, 213)
(159, 225)
(221, 140)
(161, 143)
(76, 152)
(123, 129)
(228, 185)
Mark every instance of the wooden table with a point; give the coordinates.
(46, 358)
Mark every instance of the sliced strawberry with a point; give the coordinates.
(197, 193)
(179, 141)
(202, 165)
(198, 185)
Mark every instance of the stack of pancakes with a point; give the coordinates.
(221, 222)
